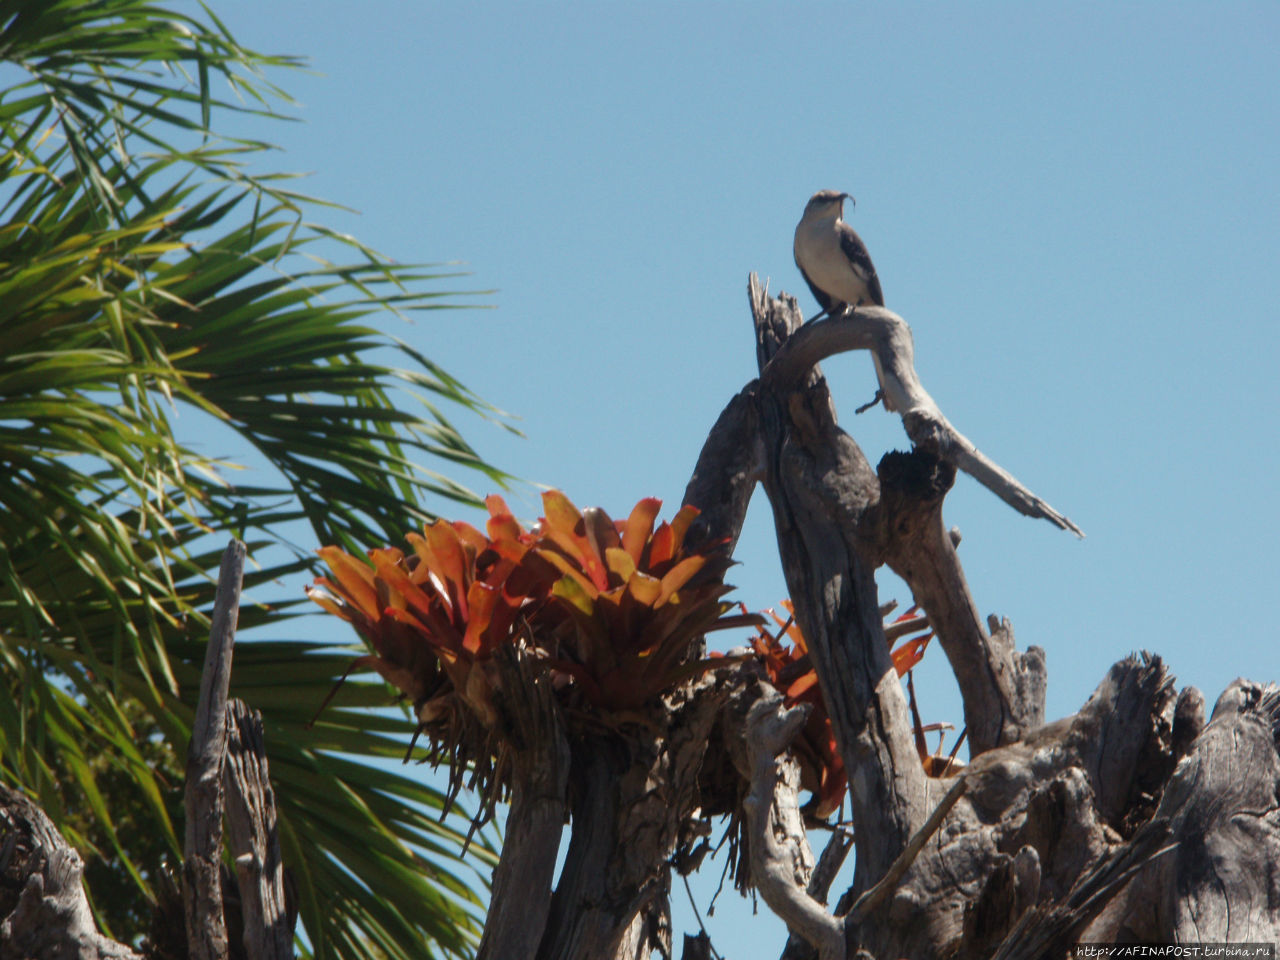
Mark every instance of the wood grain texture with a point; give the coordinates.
(202, 848)
(44, 914)
(254, 840)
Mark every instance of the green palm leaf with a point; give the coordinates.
(153, 294)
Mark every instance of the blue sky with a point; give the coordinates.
(1076, 208)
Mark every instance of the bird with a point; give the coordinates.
(836, 265)
(832, 257)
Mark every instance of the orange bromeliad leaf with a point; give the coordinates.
(620, 563)
(448, 561)
(355, 577)
(635, 622)
(910, 652)
(645, 589)
(448, 605)
(790, 671)
(565, 526)
(639, 526)
(681, 522)
(822, 767)
(802, 686)
(678, 576)
(662, 545)
(482, 603)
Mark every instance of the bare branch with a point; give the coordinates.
(873, 898)
(771, 810)
(887, 335)
(1003, 689)
(822, 489)
(202, 851)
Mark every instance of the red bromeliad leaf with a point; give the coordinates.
(678, 576)
(601, 532)
(449, 605)
(790, 627)
(662, 546)
(908, 614)
(633, 634)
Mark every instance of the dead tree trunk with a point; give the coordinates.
(1089, 827)
(1130, 820)
(44, 913)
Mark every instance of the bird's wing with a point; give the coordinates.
(856, 251)
(824, 299)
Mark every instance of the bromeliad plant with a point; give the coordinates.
(790, 670)
(611, 610)
(636, 599)
(436, 616)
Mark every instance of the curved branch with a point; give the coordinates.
(775, 826)
(887, 335)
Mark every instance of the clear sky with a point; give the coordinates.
(1076, 208)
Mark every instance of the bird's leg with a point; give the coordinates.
(848, 309)
(871, 403)
(844, 310)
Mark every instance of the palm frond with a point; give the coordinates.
(154, 294)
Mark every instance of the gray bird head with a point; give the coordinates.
(826, 203)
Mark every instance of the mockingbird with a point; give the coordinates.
(834, 262)
(832, 258)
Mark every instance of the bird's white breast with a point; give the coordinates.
(817, 250)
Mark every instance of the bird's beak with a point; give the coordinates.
(845, 196)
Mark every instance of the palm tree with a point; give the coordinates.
(154, 293)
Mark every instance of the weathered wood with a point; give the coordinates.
(1002, 689)
(254, 840)
(696, 948)
(520, 898)
(631, 797)
(729, 466)
(820, 487)
(781, 862)
(1047, 805)
(50, 918)
(872, 899)
(1051, 929)
(1218, 884)
(202, 849)
(1062, 830)
(887, 335)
